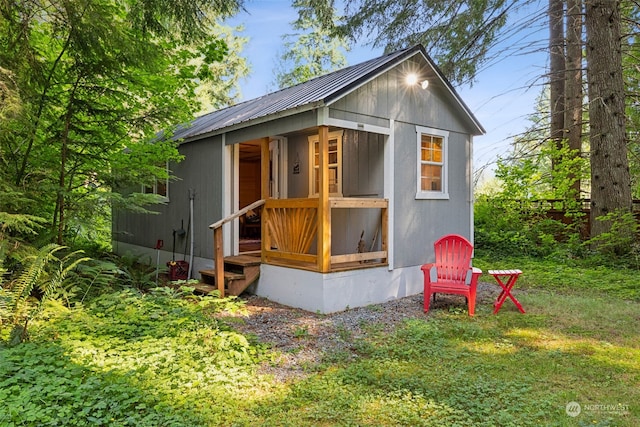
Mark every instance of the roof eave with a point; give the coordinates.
(259, 120)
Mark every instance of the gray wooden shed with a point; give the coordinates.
(350, 178)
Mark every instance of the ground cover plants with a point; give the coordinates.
(162, 358)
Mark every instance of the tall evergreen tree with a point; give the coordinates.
(458, 34)
(610, 179)
(556, 69)
(312, 50)
(97, 79)
(573, 93)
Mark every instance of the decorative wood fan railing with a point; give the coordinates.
(291, 228)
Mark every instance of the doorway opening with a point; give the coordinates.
(250, 190)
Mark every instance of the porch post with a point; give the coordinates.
(264, 169)
(264, 195)
(324, 211)
(219, 259)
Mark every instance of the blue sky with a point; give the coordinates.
(502, 96)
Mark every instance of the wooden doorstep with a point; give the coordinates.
(243, 260)
(228, 276)
(204, 288)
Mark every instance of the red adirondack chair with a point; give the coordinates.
(452, 272)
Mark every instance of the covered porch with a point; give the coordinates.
(305, 233)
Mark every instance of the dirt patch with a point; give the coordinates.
(303, 338)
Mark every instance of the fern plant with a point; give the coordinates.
(42, 271)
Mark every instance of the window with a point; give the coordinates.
(335, 164)
(432, 163)
(159, 187)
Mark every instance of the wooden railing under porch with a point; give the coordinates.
(290, 227)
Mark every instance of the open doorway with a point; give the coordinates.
(250, 187)
(250, 190)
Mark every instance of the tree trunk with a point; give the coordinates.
(573, 82)
(557, 69)
(610, 178)
(61, 201)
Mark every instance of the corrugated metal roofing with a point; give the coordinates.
(310, 94)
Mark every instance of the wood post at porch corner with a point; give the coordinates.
(219, 259)
(265, 191)
(384, 225)
(324, 210)
(265, 185)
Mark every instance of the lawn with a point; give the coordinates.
(163, 360)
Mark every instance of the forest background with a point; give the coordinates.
(86, 85)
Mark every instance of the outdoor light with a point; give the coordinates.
(412, 79)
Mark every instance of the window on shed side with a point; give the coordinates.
(432, 164)
(159, 187)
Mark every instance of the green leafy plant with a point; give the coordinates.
(136, 271)
(43, 272)
(132, 359)
(90, 279)
(537, 208)
(621, 241)
(301, 332)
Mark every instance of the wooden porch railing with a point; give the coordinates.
(218, 244)
(290, 227)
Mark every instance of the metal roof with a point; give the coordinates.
(310, 94)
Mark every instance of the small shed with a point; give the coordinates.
(337, 187)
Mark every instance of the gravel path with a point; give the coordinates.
(303, 338)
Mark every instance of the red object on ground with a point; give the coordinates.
(452, 272)
(178, 270)
(512, 278)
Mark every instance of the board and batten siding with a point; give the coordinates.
(274, 127)
(362, 175)
(201, 171)
(389, 97)
(417, 223)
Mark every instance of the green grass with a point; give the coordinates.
(127, 359)
(566, 275)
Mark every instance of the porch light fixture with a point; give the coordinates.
(412, 79)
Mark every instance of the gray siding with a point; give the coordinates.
(282, 126)
(388, 97)
(201, 171)
(298, 183)
(418, 223)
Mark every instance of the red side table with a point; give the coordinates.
(511, 277)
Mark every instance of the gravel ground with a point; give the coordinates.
(302, 338)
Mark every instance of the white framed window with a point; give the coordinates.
(159, 187)
(335, 164)
(432, 163)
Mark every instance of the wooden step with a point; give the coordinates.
(240, 272)
(203, 288)
(209, 276)
(243, 260)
